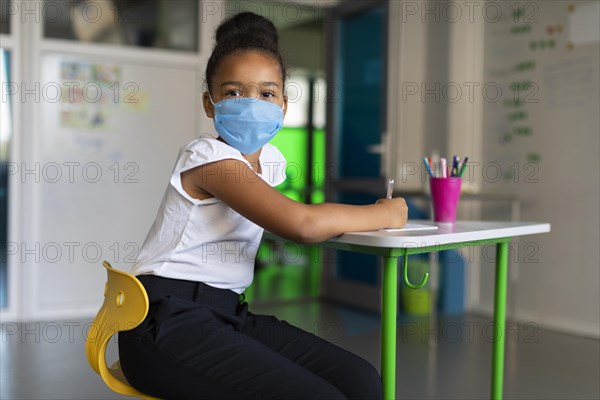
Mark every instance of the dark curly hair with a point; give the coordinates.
(243, 32)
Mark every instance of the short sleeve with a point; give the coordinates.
(200, 152)
(208, 150)
(273, 165)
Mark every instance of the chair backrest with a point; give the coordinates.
(125, 307)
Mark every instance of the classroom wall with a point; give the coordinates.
(436, 111)
(546, 148)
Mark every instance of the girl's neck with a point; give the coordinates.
(253, 158)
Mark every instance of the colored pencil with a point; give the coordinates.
(463, 167)
(427, 166)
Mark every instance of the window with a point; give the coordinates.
(303, 145)
(168, 24)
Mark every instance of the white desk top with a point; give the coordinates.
(461, 231)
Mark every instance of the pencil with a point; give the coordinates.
(390, 188)
(443, 167)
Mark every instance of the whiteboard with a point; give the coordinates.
(544, 148)
(104, 163)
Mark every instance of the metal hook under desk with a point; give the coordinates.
(408, 282)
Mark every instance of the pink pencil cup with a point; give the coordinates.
(445, 193)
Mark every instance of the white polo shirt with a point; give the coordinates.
(206, 240)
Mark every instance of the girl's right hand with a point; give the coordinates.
(397, 210)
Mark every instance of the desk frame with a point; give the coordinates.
(390, 302)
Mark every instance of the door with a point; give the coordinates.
(356, 115)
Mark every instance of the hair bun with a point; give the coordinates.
(249, 24)
(241, 33)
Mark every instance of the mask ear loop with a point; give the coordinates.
(210, 98)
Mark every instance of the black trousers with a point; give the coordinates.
(200, 342)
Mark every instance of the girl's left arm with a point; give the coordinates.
(234, 183)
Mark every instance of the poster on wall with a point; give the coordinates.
(92, 94)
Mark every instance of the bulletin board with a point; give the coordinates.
(541, 88)
(107, 142)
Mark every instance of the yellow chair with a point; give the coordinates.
(125, 307)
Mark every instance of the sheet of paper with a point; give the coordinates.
(411, 227)
(584, 24)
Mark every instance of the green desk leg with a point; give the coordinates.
(388, 326)
(499, 320)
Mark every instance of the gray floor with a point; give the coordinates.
(451, 361)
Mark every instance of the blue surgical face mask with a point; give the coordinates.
(247, 123)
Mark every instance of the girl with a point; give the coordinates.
(199, 340)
